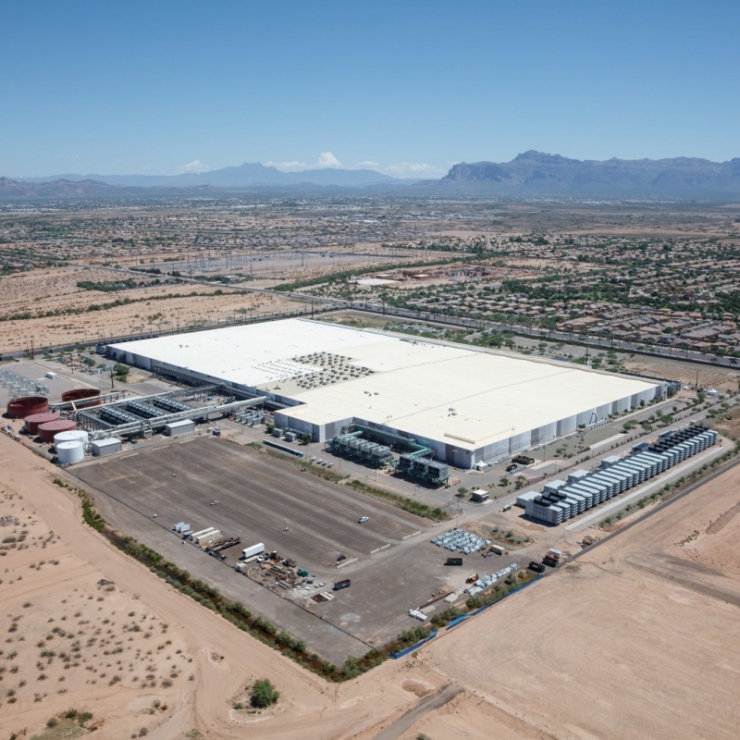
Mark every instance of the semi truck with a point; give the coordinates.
(252, 552)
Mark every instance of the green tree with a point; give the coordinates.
(264, 693)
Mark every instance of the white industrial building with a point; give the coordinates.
(468, 405)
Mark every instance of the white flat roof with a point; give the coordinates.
(453, 394)
(253, 354)
(106, 442)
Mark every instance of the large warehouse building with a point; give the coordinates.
(467, 405)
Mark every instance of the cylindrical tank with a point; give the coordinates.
(82, 394)
(33, 421)
(20, 408)
(47, 431)
(70, 452)
(78, 435)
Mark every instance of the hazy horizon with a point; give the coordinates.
(407, 90)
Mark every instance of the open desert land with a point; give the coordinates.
(687, 373)
(153, 308)
(89, 614)
(638, 637)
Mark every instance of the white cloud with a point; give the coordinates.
(327, 159)
(195, 166)
(367, 165)
(411, 169)
(287, 166)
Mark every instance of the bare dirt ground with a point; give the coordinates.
(719, 378)
(221, 659)
(47, 290)
(713, 542)
(637, 638)
(633, 640)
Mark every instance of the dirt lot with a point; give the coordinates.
(719, 378)
(51, 290)
(634, 639)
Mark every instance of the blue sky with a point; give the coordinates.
(408, 87)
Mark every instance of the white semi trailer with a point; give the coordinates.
(252, 552)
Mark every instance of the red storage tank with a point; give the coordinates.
(48, 430)
(20, 408)
(33, 421)
(82, 394)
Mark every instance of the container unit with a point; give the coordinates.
(650, 466)
(683, 451)
(597, 491)
(600, 488)
(580, 498)
(588, 496)
(200, 532)
(586, 489)
(69, 453)
(560, 503)
(541, 509)
(34, 421)
(178, 428)
(672, 456)
(553, 486)
(609, 485)
(522, 500)
(107, 446)
(571, 501)
(204, 539)
(630, 475)
(592, 493)
(704, 439)
(639, 472)
(660, 461)
(619, 480)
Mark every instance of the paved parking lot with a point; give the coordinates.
(258, 496)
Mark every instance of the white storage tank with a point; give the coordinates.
(76, 435)
(69, 453)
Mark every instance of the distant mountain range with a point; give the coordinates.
(248, 175)
(532, 174)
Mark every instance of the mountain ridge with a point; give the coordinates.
(249, 174)
(529, 174)
(537, 173)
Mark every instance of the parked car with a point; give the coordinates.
(363, 519)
